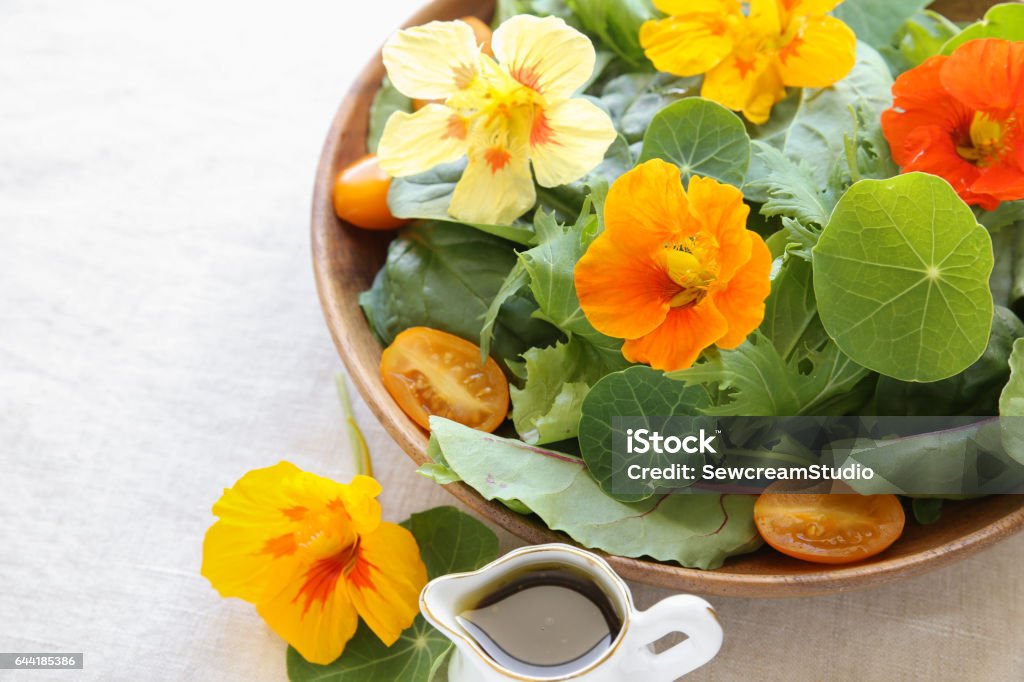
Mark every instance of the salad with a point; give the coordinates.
(716, 209)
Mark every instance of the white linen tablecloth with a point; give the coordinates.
(160, 335)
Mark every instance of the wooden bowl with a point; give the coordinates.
(346, 259)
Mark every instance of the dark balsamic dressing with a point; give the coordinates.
(543, 622)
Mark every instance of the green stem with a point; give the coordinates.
(360, 452)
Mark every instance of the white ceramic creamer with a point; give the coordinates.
(630, 655)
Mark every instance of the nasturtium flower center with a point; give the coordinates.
(503, 108)
(325, 532)
(986, 140)
(691, 269)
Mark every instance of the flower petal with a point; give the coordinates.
(920, 100)
(496, 187)
(742, 301)
(720, 208)
(752, 87)
(624, 291)
(931, 149)
(1001, 182)
(240, 548)
(765, 17)
(385, 584)
(686, 45)
(545, 54)
(679, 340)
(569, 140)
(415, 143)
(811, 7)
(987, 75)
(432, 61)
(822, 52)
(319, 629)
(681, 7)
(647, 208)
(360, 500)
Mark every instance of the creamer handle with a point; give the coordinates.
(685, 614)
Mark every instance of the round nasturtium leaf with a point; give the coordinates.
(702, 138)
(901, 278)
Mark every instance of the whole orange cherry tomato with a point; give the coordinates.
(429, 372)
(361, 196)
(828, 529)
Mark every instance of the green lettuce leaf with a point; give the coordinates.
(877, 21)
(790, 188)
(791, 319)
(921, 36)
(615, 24)
(818, 125)
(550, 266)
(444, 276)
(901, 275)
(1011, 400)
(962, 460)
(1006, 214)
(698, 531)
(547, 408)
(449, 542)
(633, 99)
(506, 9)
(387, 101)
(1004, 21)
(1011, 405)
(558, 378)
(754, 381)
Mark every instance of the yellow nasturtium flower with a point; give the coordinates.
(502, 112)
(749, 52)
(314, 556)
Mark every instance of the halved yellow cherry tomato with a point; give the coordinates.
(361, 196)
(483, 38)
(828, 529)
(429, 372)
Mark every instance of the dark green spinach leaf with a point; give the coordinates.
(444, 276)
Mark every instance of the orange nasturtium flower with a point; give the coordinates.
(674, 271)
(502, 112)
(750, 51)
(313, 556)
(961, 117)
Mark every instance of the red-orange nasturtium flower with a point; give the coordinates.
(961, 117)
(314, 556)
(674, 271)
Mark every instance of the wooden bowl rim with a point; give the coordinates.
(345, 321)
